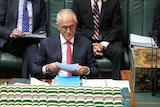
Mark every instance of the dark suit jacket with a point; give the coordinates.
(110, 19)
(50, 51)
(156, 21)
(9, 16)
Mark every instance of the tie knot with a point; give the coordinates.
(68, 42)
(25, 2)
(96, 1)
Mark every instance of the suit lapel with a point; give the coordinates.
(103, 9)
(57, 47)
(89, 8)
(76, 47)
(16, 9)
(34, 7)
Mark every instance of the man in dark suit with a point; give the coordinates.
(108, 43)
(53, 49)
(11, 16)
(156, 22)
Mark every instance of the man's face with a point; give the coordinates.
(67, 26)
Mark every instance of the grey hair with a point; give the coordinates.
(69, 11)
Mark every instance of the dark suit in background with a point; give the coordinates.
(50, 51)
(156, 21)
(25, 48)
(110, 29)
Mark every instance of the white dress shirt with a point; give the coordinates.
(20, 14)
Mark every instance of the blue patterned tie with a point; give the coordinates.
(25, 18)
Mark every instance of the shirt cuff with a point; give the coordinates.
(88, 72)
(44, 69)
(105, 44)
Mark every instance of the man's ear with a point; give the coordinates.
(57, 26)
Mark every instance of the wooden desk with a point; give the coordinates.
(125, 75)
(5, 79)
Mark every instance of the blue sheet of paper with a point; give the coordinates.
(67, 81)
(67, 67)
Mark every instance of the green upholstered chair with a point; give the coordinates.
(10, 65)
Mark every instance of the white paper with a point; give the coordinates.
(106, 83)
(17, 83)
(118, 83)
(67, 67)
(35, 81)
(94, 82)
(142, 41)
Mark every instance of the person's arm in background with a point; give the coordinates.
(4, 31)
(156, 21)
(8, 21)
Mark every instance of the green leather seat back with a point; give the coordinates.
(140, 16)
(124, 35)
(68, 3)
(53, 7)
(124, 13)
(10, 65)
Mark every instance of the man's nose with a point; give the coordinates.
(68, 29)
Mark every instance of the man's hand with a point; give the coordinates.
(15, 33)
(52, 67)
(98, 48)
(81, 70)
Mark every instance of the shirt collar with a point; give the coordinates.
(63, 41)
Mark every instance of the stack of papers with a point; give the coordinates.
(35, 81)
(36, 36)
(106, 83)
(142, 41)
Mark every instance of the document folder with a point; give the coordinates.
(67, 81)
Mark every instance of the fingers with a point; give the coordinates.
(98, 54)
(81, 70)
(15, 33)
(52, 67)
(97, 49)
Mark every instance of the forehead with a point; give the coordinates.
(67, 18)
